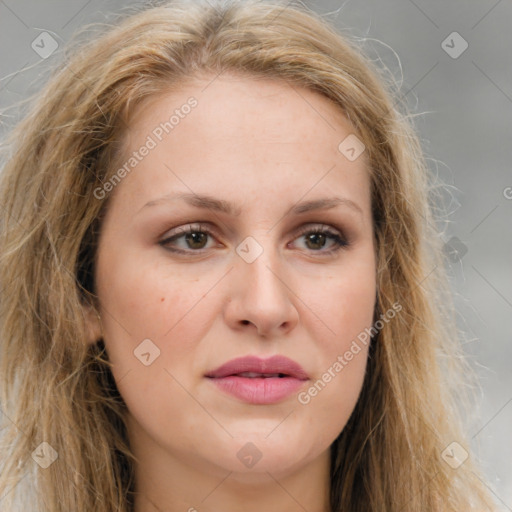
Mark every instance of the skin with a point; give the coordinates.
(264, 146)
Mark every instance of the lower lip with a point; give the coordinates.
(259, 390)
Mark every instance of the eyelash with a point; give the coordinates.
(340, 242)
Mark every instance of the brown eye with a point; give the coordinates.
(194, 238)
(317, 238)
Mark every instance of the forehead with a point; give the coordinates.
(243, 132)
(231, 104)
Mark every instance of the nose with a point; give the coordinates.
(261, 299)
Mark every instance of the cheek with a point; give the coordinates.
(345, 306)
(355, 311)
(145, 301)
(328, 402)
(344, 303)
(143, 298)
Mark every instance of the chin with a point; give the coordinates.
(253, 456)
(276, 465)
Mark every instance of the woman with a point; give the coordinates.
(221, 283)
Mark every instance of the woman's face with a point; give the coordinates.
(245, 167)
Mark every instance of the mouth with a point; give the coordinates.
(254, 375)
(259, 381)
(253, 367)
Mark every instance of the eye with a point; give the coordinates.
(317, 237)
(194, 238)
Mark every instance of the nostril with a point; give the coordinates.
(245, 322)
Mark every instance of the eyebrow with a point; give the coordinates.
(220, 205)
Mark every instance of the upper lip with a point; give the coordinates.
(274, 364)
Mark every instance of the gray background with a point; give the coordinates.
(465, 107)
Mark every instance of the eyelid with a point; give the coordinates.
(334, 232)
(192, 226)
(201, 226)
(208, 227)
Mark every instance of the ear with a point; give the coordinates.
(93, 322)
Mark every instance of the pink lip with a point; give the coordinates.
(259, 390)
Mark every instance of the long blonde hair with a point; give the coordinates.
(57, 389)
